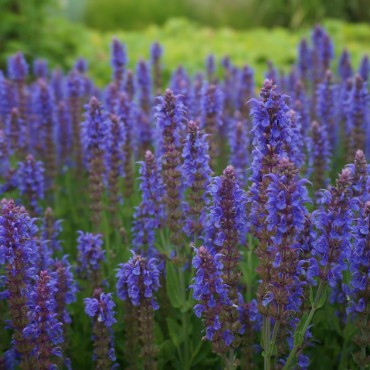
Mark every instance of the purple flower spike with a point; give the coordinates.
(156, 52)
(196, 174)
(333, 222)
(101, 310)
(40, 68)
(358, 116)
(81, 65)
(239, 145)
(150, 214)
(319, 156)
(325, 108)
(66, 287)
(138, 281)
(94, 134)
(44, 328)
(304, 61)
(345, 70)
(118, 61)
(245, 90)
(51, 229)
(211, 119)
(210, 67)
(170, 115)
(7, 97)
(4, 155)
(364, 68)
(211, 293)
(18, 252)
(90, 256)
(30, 181)
(17, 67)
(44, 141)
(286, 221)
(226, 227)
(144, 85)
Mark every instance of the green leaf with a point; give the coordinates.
(175, 332)
(173, 286)
(299, 334)
(322, 299)
(167, 350)
(311, 295)
(298, 338)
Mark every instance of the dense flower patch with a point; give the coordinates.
(199, 225)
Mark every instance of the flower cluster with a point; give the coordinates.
(211, 292)
(196, 173)
(286, 198)
(170, 115)
(90, 255)
(101, 310)
(150, 213)
(94, 132)
(259, 252)
(212, 107)
(51, 229)
(44, 328)
(19, 255)
(325, 108)
(156, 52)
(17, 67)
(358, 115)
(319, 155)
(66, 288)
(138, 280)
(118, 60)
(333, 222)
(31, 182)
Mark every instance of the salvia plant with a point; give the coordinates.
(186, 221)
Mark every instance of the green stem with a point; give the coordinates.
(363, 347)
(274, 334)
(229, 360)
(266, 328)
(306, 325)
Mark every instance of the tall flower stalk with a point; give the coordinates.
(226, 227)
(94, 134)
(196, 174)
(44, 328)
(318, 156)
(273, 136)
(18, 254)
(125, 112)
(170, 122)
(44, 110)
(331, 247)
(212, 108)
(100, 308)
(150, 213)
(358, 116)
(75, 98)
(31, 182)
(90, 257)
(156, 52)
(118, 61)
(138, 280)
(115, 142)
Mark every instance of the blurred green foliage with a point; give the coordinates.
(188, 44)
(29, 26)
(33, 27)
(241, 14)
